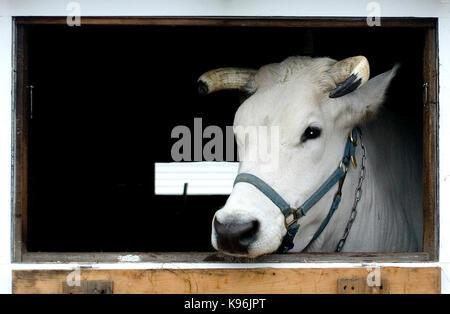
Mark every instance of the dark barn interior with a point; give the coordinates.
(106, 99)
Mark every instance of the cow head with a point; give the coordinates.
(310, 104)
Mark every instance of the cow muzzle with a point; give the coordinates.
(235, 237)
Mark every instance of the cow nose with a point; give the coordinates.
(235, 237)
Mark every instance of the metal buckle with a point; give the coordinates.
(295, 218)
(343, 166)
(352, 140)
(354, 143)
(353, 160)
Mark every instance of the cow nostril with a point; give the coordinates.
(249, 233)
(236, 236)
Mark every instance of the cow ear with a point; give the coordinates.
(365, 102)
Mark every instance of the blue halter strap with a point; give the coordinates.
(292, 215)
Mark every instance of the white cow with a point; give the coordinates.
(315, 103)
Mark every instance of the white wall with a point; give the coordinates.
(5, 151)
(416, 8)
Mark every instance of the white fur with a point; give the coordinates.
(293, 95)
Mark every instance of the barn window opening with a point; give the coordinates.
(93, 167)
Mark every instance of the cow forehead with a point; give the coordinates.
(288, 104)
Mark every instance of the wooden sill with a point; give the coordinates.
(175, 257)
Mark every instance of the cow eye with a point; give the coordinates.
(310, 133)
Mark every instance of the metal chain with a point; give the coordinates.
(358, 193)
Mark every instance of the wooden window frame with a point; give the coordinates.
(430, 251)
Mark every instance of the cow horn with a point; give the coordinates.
(349, 74)
(227, 78)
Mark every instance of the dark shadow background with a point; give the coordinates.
(107, 97)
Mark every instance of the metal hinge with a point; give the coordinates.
(88, 287)
(360, 286)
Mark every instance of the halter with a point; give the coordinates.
(292, 215)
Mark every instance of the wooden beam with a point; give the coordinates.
(20, 142)
(216, 281)
(430, 146)
(235, 21)
(210, 257)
